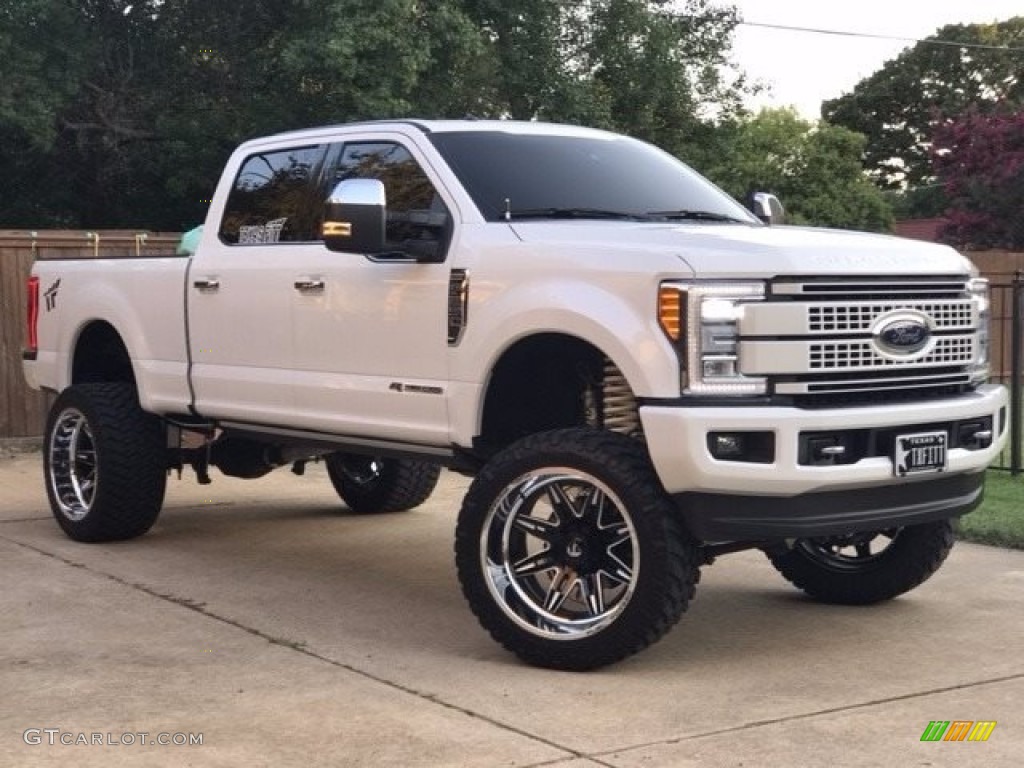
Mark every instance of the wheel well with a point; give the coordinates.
(100, 355)
(544, 382)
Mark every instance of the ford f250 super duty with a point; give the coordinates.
(639, 374)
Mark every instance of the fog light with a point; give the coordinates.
(751, 447)
(725, 445)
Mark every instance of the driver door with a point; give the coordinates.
(370, 332)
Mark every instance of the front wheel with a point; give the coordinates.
(863, 568)
(105, 463)
(375, 485)
(568, 550)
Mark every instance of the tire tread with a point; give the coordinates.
(625, 460)
(915, 554)
(130, 457)
(405, 484)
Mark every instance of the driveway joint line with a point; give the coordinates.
(299, 647)
(818, 713)
(570, 753)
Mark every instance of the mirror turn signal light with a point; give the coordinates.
(337, 229)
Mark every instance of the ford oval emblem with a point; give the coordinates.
(904, 336)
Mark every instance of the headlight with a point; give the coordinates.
(703, 320)
(980, 366)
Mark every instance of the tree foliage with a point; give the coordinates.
(898, 106)
(122, 112)
(980, 160)
(814, 168)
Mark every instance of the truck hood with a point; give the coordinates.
(729, 251)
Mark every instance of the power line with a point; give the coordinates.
(841, 33)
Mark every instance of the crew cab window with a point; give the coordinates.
(418, 221)
(275, 198)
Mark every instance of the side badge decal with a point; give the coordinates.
(50, 294)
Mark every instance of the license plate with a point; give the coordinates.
(922, 452)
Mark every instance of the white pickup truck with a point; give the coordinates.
(639, 374)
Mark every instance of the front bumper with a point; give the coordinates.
(736, 500)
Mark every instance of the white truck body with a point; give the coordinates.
(867, 337)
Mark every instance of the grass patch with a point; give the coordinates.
(1000, 518)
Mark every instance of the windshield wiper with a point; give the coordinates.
(686, 215)
(573, 213)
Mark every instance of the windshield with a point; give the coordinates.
(521, 176)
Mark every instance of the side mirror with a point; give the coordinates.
(354, 217)
(768, 208)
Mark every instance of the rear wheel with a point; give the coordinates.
(863, 568)
(568, 551)
(105, 463)
(373, 485)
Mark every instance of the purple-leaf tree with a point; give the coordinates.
(979, 158)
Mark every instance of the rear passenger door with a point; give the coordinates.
(370, 345)
(241, 287)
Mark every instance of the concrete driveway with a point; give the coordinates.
(262, 618)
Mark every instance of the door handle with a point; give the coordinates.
(309, 285)
(206, 284)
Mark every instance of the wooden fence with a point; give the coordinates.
(22, 410)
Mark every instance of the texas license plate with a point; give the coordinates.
(922, 452)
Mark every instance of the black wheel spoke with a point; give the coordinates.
(559, 589)
(592, 593)
(619, 571)
(538, 563)
(560, 501)
(541, 529)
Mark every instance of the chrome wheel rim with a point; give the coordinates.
(362, 470)
(73, 472)
(851, 552)
(560, 554)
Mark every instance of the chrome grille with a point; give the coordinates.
(950, 350)
(874, 384)
(893, 288)
(817, 334)
(845, 318)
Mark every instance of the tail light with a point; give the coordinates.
(33, 315)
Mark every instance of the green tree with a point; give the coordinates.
(897, 107)
(43, 46)
(122, 112)
(814, 168)
(655, 69)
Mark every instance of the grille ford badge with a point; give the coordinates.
(902, 334)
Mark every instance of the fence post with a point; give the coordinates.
(1016, 344)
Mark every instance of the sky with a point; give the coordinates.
(804, 69)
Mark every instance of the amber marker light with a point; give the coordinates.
(670, 308)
